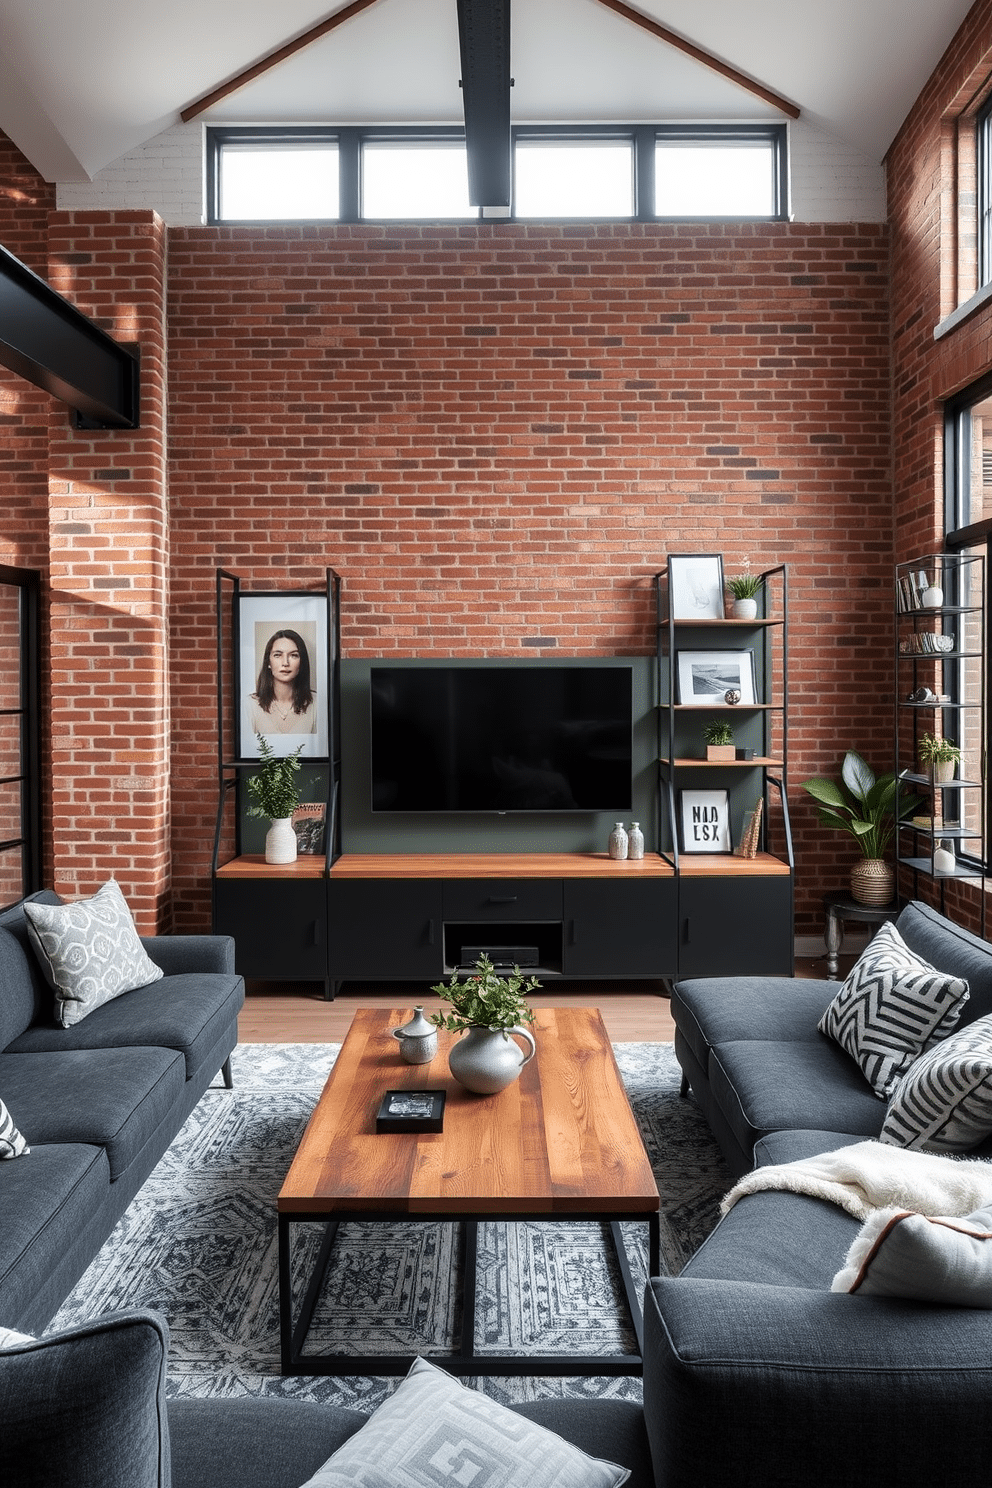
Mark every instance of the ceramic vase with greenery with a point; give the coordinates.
(486, 1009)
(939, 757)
(745, 588)
(719, 738)
(867, 812)
(274, 793)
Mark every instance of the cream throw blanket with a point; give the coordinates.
(874, 1175)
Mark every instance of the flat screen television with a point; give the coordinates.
(501, 739)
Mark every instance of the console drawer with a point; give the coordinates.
(505, 899)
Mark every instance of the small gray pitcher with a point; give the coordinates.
(417, 1039)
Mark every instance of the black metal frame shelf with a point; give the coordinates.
(957, 679)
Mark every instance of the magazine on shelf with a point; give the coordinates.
(308, 824)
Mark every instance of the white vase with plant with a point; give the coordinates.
(274, 793)
(489, 1011)
(745, 588)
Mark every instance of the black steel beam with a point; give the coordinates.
(46, 340)
(484, 40)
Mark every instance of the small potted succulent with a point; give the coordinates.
(274, 794)
(719, 738)
(486, 1008)
(745, 588)
(939, 757)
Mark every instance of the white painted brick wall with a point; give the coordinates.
(165, 175)
(831, 181)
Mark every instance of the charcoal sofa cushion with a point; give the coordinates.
(114, 1098)
(779, 1008)
(763, 1086)
(46, 1203)
(24, 999)
(951, 949)
(187, 1012)
(86, 1408)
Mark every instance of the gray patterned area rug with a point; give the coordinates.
(199, 1243)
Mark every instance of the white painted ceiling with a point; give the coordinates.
(84, 81)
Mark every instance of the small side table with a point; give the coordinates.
(841, 907)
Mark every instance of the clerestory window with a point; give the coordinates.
(644, 172)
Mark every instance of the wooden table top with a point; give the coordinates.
(561, 1140)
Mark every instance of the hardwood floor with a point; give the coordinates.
(295, 1013)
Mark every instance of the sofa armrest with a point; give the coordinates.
(780, 1385)
(177, 954)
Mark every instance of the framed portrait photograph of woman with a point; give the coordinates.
(281, 665)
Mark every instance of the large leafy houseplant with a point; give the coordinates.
(485, 999)
(274, 792)
(868, 811)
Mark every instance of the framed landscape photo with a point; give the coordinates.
(695, 582)
(704, 821)
(705, 678)
(281, 666)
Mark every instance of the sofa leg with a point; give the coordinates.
(225, 1070)
(684, 1087)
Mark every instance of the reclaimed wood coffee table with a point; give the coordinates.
(561, 1144)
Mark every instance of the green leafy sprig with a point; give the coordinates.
(485, 999)
(868, 812)
(273, 791)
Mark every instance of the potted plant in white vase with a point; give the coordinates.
(939, 758)
(868, 814)
(486, 1010)
(275, 795)
(745, 588)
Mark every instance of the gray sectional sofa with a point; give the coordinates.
(754, 1369)
(98, 1102)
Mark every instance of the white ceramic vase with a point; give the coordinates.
(280, 841)
(745, 609)
(486, 1060)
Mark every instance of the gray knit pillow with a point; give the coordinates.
(944, 1103)
(893, 1006)
(89, 951)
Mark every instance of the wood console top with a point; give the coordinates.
(497, 865)
(561, 1140)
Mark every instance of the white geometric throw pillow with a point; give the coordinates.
(89, 951)
(434, 1431)
(12, 1144)
(944, 1103)
(893, 1006)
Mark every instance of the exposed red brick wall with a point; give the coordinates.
(110, 715)
(498, 432)
(930, 220)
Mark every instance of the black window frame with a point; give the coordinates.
(350, 140)
(983, 192)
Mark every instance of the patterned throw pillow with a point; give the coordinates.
(892, 1007)
(89, 951)
(899, 1253)
(434, 1431)
(944, 1103)
(12, 1144)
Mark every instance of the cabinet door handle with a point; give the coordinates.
(687, 933)
(316, 932)
(571, 932)
(506, 899)
(430, 932)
